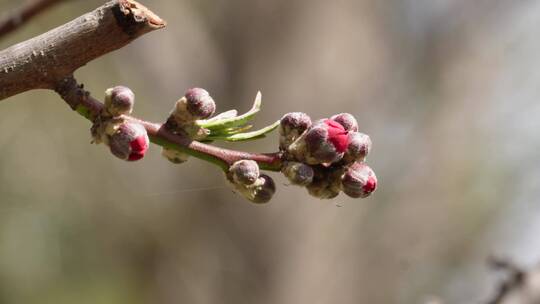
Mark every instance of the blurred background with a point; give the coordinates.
(447, 90)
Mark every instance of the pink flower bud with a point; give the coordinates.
(359, 181)
(263, 191)
(325, 142)
(292, 125)
(347, 121)
(244, 172)
(359, 147)
(199, 103)
(298, 173)
(129, 141)
(119, 100)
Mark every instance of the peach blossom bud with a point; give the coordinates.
(347, 121)
(359, 181)
(119, 100)
(244, 172)
(298, 173)
(359, 147)
(130, 141)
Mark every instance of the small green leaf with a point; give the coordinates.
(246, 136)
(226, 114)
(224, 123)
(231, 131)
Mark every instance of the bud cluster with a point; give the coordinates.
(326, 156)
(246, 179)
(126, 139)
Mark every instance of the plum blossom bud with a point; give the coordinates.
(359, 181)
(244, 172)
(298, 173)
(359, 147)
(129, 141)
(325, 142)
(262, 190)
(119, 100)
(291, 126)
(174, 156)
(347, 121)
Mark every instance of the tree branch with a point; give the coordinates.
(41, 62)
(48, 62)
(17, 18)
(81, 101)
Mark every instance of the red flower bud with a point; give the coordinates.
(298, 173)
(119, 100)
(244, 172)
(359, 181)
(359, 147)
(129, 141)
(347, 121)
(199, 103)
(325, 142)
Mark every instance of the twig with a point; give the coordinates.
(17, 18)
(48, 62)
(81, 101)
(515, 279)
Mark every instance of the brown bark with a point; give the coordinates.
(41, 62)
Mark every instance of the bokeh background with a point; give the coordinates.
(448, 91)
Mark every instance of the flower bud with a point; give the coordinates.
(119, 100)
(358, 148)
(323, 143)
(326, 183)
(263, 190)
(129, 142)
(322, 189)
(291, 126)
(359, 181)
(196, 104)
(199, 103)
(244, 172)
(298, 173)
(347, 121)
(174, 156)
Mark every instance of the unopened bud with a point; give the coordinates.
(119, 100)
(129, 142)
(196, 104)
(326, 183)
(199, 103)
(323, 143)
(291, 126)
(298, 173)
(174, 156)
(244, 172)
(359, 181)
(263, 190)
(359, 147)
(347, 121)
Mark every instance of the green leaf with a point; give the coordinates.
(224, 123)
(226, 114)
(246, 136)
